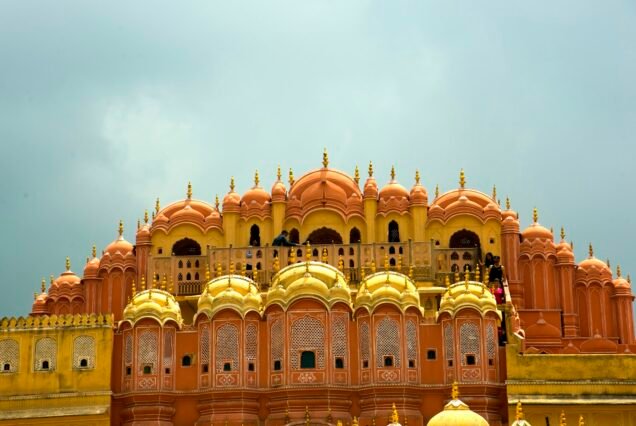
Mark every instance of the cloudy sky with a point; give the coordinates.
(105, 106)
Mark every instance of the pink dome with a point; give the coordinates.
(92, 266)
(279, 192)
(40, 306)
(120, 245)
(535, 231)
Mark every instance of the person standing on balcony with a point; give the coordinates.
(282, 240)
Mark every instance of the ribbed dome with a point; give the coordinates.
(232, 200)
(564, 250)
(418, 195)
(91, 268)
(143, 234)
(387, 287)
(214, 220)
(153, 303)
(457, 413)
(536, 231)
(39, 306)
(279, 192)
(592, 264)
(234, 292)
(68, 284)
(468, 294)
(255, 196)
(187, 214)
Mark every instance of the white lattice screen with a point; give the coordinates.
(469, 341)
(9, 354)
(364, 342)
(491, 346)
(227, 346)
(307, 334)
(128, 349)
(251, 341)
(387, 342)
(45, 350)
(276, 341)
(84, 348)
(411, 340)
(147, 349)
(205, 344)
(449, 344)
(339, 335)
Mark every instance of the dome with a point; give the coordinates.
(143, 234)
(592, 264)
(468, 294)
(68, 283)
(92, 266)
(464, 201)
(120, 245)
(457, 413)
(39, 306)
(232, 200)
(183, 211)
(387, 287)
(234, 292)
(325, 188)
(153, 303)
(371, 188)
(214, 219)
(187, 214)
(564, 250)
(279, 192)
(310, 279)
(255, 201)
(536, 231)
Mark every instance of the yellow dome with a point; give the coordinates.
(387, 287)
(468, 294)
(310, 279)
(234, 292)
(457, 413)
(153, 303)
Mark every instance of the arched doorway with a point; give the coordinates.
(255, 236)
(186, 247)
(324, 236)
(294, 236)
(394, 232)
(464, 239)
(354, 236)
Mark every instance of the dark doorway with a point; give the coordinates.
(307, 359)
(394, 232)
(186, 247)
(354, 236)
(324, 236)
(464, 239)
(255, 236)
(294, 236)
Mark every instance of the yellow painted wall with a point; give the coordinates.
(166, 241)
(443, 232)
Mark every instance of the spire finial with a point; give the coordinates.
(394, 414)
(43, 285)
(392, 172)
(455, 391)
(436, 190)
(216, 202)
(494, 193)
(207, 273)
(507, 203)
(231, 268)
(417, 177)
(68, 263)
(143, 282)
(562, 234)
(562, 419)
(164, 282)
(94, 252)
(138, 225)
(629, 279)
(581, 421)
(519, 414)
(134, 289)
(325, 159)
(232, 184)
(370, 169)
(590, 250)
(51, 279)
(121, 227)
(356, 175)
(257, 179)
(618, 270)
(291, 177)
(308, 251)
(462, 179)
(157, 206)
(535, 215)
(189, 192)
(146, 216)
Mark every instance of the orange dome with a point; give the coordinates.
(68, 283)
(464, 201)
(187, 214)
(92, 266)
(592, 263)
(536, 231)
(564, 252)
(214, 220)
(39, 306)
(279, 192)
(232, 200)
(418, 194)
(325, 188)
(120, 245)
(621, 282)
(393, 196)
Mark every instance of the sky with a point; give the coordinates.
(105, 106)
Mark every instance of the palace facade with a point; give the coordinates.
(384, 298)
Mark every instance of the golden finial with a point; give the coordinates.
(436, 190)
(581, 421)
(354, 422)
(455, 391)
(308, 251)
(256, 179)
(278, 174)
(447, 281)
(370, 170)
(386, 262)
(591, 250)
(417, 177)
(68, 263)
(507, 203)
(466, 275)
(399, 262)
(392, 173)
(43, 285)
(276, 265)
(456, 276)
(35, 295)
(154, 281)
(143, 282)
(244, 269)
(232, 184)
(255, 275)
(373, 421)
(462, 179)
(629, 279)
(121, 227)
(94, 251)
(189, 192)
(477, 273)
(618, 270)
(325, 158)
(291, 177)
(307, 417)
(138, 225)
(411, 271)
(562, 419)
(164, 282)
(339, 422)
(562, 234)
(219, 269)
(394, 414)
(340, 263)
(356, 175)
(231, 268)
(146, 216)
(51, 279)
(292, 256)
(607, 262)
(157, 206)
(535, 215)
(216, 202)
(494, 193)
(373, 266)
(363, 272)
(207, 273)
(170, 285)
(324, 255)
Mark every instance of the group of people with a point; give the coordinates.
(496, 275)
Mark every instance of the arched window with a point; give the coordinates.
(255, 236)
(314, 252)
(196, 263)
(394, 232)
(340, 251)
(391, 250)
(180, 264)
(180, 277)
(354, 236)
(186, 247)
(294, 236)
(307, 359)
(325, 236)
(196, 276)
(188, 264)
(351, 263)
(188, 277)
(464, 239)
(351, 251)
